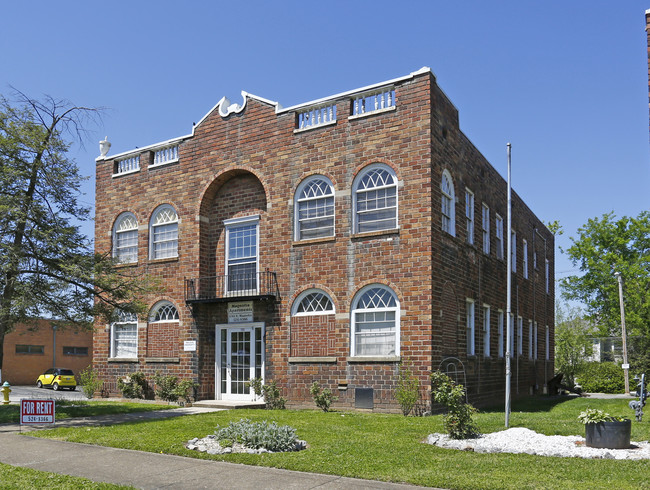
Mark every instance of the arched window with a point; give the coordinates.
(163, 311)
(125, 239)
(313, 302)
(124, 335)
(163, 233)
(314, 208)
(375, 199)
(448, 204)
(375, 322)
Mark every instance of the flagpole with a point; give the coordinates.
(509, 292)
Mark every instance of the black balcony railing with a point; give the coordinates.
(258, 285)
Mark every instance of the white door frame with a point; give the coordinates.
(229, 328)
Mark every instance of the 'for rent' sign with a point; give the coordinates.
(36, 411)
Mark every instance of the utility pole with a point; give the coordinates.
(509, 293)
(626, 366)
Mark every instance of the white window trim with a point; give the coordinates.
(486, 330)
(469, 215)
(231, 223)
(530, 339)
(520, 336)
(501, 344)
(301, 296)
(470, 315)
(158, 210)
(513, 256)
(547, 355)
(524, 247)
(355, 189)
(119, 219)
(296, 205)
(354, 310)
(498, 233)
(452, 204)
(112, 339)
(535, 342)
(158, 305)
(485, 226)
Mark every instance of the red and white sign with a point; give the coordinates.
(36, 411)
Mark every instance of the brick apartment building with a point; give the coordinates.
(31, 349)
(327, 241)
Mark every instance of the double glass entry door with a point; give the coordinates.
(240, 358)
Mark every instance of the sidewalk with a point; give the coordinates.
(153, 471)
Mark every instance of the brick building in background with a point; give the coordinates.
(31, 349)
(327, 241)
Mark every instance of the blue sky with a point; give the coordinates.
(566, 82)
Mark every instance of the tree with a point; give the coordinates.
(608, 245)
(573, 344)
(47, 266)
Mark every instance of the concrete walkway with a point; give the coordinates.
(153, 471)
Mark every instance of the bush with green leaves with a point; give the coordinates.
(407, 392)
(458, 420)
(601, 377)
(323, 397)
(256, 435)
(594, 416)
(270, 392)
(166, 387)
(134, 385)
(90, 383)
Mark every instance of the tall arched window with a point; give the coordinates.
(124, 335)
(125, 239)
(163, 233)
(314, 208)
(374, 196)
(313, 302)
(375, 322)
(448, 204)
(163, 311)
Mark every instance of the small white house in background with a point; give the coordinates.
(607, 349)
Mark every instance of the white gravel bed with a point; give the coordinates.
(210, 445)
(522, 440)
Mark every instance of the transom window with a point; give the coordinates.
(375, 199)
(124, 335)
(313, 302)
(448, 204)
(163, 311)
(314, 208)
(375, 322)
(125, 239)
(164, 233)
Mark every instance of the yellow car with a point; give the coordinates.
(57, 378)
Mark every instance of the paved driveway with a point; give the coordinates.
(34, 393)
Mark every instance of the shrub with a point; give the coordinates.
(323, 397)
(458, 420)
(270, 392)
(602, 377)
(256, 435)
(407, 392)
(90, 383)
(185, 390)
(166, 387)
(134, 385)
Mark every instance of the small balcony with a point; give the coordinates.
(220, 289)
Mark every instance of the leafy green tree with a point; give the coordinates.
(47, 266)
(601, 247)
(573, 342)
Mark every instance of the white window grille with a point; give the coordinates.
(373, 102)
(124, 335)
(525, 262)
(375, 199)
(314, 209)
(127, 165)
(486, 330)
(242, 254)
(164, 233)
(316, 116)
(125, 239)
(469, 310)
(499, 236)
(313, 302)
(165, 155)
(469, 214)
(448, 204)
(486, 229)
(163, 311)
(375, 322)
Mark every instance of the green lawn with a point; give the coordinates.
(65, 409)
(25, 478)
(390, 448)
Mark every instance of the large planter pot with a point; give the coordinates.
(610, 435)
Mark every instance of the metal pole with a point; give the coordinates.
(509, 293)
(626, 366)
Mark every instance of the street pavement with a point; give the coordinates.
(150, 470)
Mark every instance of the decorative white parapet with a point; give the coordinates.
(162, 156)
(127, 165)
(314, 117)
(376, 101)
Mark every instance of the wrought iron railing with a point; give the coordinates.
(227, 287)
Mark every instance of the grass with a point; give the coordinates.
(26, 478)
(65, 409)
(389, 447)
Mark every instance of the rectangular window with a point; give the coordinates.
(500, 331)
(525, 263)
(499, 236)
(75, 351)
(242, 254)
(530, 339)
(470, 327)
(548, 276)
(513, 251)
(30, 349)
(469, 214)
(485, 224)
(520, 336)
(125, 340)
(547, 355)
(486, 330)
(535, 342)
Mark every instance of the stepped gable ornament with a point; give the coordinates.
(104, 146)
